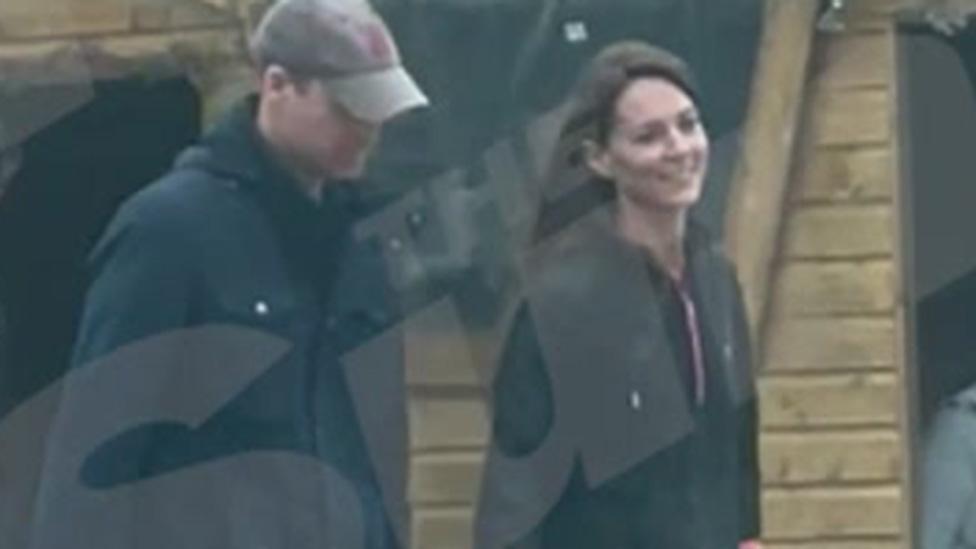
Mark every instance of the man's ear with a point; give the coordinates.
(597, 159)
(274, 79)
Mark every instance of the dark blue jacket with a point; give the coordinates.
(226, 239)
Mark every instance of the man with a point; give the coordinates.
(252, 230)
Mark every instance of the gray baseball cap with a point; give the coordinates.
(348, 46)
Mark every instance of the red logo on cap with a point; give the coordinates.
(377, 42)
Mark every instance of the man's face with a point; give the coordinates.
(315, 133)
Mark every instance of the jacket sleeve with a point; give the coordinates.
(948, 478)
(522, 396)
(140, 286)
(750, 481)
(523, 418)
(748, 428)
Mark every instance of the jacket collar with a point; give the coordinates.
(310, 233)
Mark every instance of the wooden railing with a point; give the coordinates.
(760, 182)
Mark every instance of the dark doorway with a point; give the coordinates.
(72, 177)
(938, 95)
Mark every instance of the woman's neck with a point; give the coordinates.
(661, 232)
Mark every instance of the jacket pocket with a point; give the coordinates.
(275, 309)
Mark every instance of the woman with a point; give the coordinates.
(624, 410)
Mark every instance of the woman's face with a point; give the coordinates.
(656, 152)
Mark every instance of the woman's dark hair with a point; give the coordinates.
(606, 77)
(590, 117)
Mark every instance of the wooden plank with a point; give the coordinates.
(189, 15)
(834, 232)
(851, 117)
(38, 61)
(797, 344)
(30, 19)
(831, 458)
(448, 423)
(869, 23)
(758, 188)
(150, 16)
(872, 14)
(829, 401)
(831, 513)
(163, 15)
(436, 348)
(845, 175)
(835, 288)
(856, 61)
(223, 5)
(446, 478)
(443, 528)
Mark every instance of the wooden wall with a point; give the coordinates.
(814, 229)
(832, 395)
(824, 281)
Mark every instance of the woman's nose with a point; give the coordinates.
(677, 141)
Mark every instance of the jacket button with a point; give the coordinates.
(727, 351)
(396, 244)
(415, 220)
(635, 400)
(261, 308)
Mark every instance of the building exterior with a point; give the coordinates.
(815, 223)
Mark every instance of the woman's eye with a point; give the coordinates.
(650, 135)
(688, 124)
